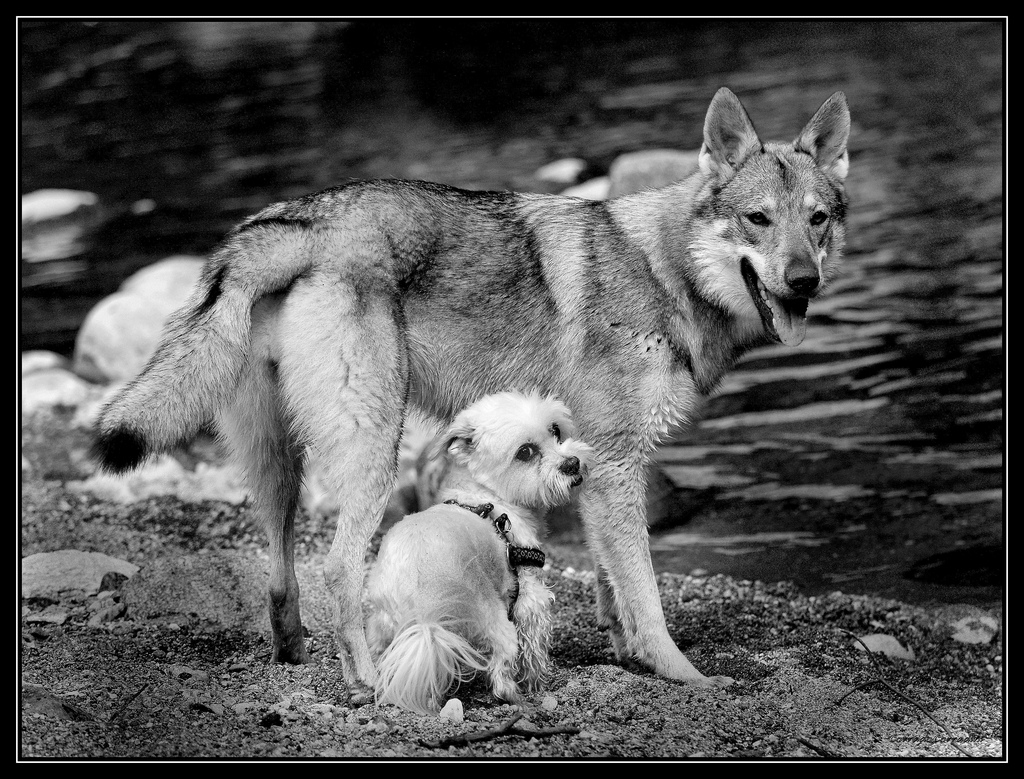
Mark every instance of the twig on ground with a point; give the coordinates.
(126, 704)
(860, 686)
(819, 748)
(907, 698)
(506, 728)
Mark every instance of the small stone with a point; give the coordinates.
(50, 615)
(886, 645)
(549, 703)
(975, 629)
(213, 708)
(271, 719)
(185, 673)
(452, 711)
(107, 614)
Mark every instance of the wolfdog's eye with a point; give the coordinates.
(556, 432)
(527, 452)
(759, 219)
(818, 217)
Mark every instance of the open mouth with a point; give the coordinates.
(577, 481)
(784, 320)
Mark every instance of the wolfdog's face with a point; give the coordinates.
(784, 220)
(776, 216)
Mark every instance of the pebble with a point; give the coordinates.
(452, 711)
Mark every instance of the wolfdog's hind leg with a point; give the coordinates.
(259, 438)
(344, 373)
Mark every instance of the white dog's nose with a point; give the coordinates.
(570, 466)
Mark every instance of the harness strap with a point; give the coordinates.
(516, 556)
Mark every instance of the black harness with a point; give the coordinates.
(516, 556)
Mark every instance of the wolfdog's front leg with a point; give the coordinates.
(614, 511)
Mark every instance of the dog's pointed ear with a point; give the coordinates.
(729, 136)
(825, 136)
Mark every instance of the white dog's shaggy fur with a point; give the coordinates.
(450, 595)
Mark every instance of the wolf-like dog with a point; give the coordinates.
(321, 320)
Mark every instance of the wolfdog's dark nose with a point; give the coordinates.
(570, 466)
(802, 279)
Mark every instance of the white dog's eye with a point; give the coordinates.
(556, 432)
(527, 452)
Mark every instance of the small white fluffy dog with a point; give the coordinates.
(457, 588)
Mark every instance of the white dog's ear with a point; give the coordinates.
(459, 440)
(460, 449)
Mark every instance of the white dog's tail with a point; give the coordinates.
(422, 664)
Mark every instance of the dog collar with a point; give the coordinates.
(516, 556)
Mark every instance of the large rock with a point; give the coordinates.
(47, 574)
(565, 171)
(43, 389)
(226, 588)
(41, 360)
(653, 168)
(123, 329)
(54, 223)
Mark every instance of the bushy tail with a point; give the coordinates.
(422, 664)
(203, 348)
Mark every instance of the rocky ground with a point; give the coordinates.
(173, 662)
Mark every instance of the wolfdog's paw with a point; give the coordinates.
(359, 696)
(720, 681)
(293, 653)
(708, 681)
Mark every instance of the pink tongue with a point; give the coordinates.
(791, 327)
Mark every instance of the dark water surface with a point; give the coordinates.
(869, 459)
